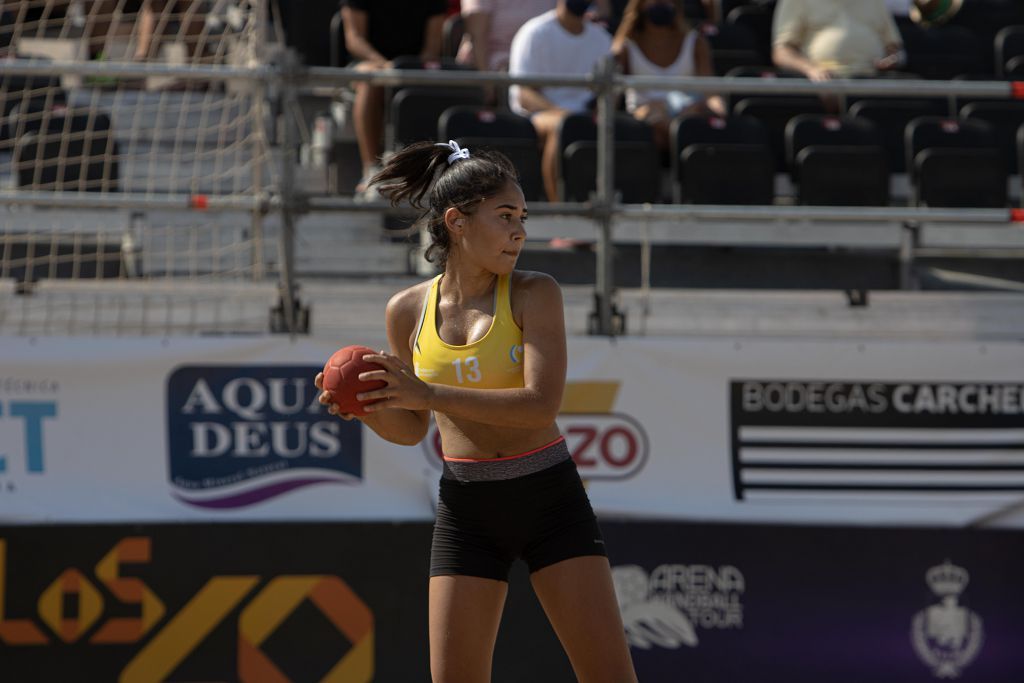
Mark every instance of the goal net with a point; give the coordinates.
(130, 144)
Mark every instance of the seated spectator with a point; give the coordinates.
(826, 38)
(163, 22)
(562, 42)
(377, 31)
(490, 26)
(655, 40)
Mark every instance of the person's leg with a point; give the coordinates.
(546, 124)
(99, 25)
(368, 120)
(578, 597)
(656, 115)
(464, 615)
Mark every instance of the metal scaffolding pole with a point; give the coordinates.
(604, 199)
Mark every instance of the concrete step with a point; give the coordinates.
(381, 258)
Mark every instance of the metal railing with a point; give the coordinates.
(283, 82)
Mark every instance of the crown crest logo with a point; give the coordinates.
(947, 579)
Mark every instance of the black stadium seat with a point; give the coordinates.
(843, 176)
(1009, 49)
(1005, 118)
(485, 122)
(637, 167)
(985, 18)
(891, 118)
(764, 72)
(513, 135)
(415, 110)
(1020, 153)
(732, 46)
(942, 52)
(826, 130)
(758, 20)
(960, 178)
(775, 113)
(955, 163)
(727, 174)
(714, 131)
(1015, 67)
(837, 161)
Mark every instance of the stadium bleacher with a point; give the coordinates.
(971, 47)
(154, 136)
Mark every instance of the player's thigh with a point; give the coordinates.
(579, 599)
(464, 615)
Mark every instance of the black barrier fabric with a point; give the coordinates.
(267, 602)
(348, 602)
(713, 603)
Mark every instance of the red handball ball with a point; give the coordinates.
(341, 378)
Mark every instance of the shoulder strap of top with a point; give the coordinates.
(639, 63)
(503, 301)
(427, 316)
(690, 42)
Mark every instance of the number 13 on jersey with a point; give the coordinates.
(467, 370)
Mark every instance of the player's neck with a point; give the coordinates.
(461, 284)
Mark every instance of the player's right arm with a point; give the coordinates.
(399, 425)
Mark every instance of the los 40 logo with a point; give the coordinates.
(604, 446)
(71, 609)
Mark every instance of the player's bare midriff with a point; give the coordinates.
(473, 440)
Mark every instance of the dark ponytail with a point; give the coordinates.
(421, 171)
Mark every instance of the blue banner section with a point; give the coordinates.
(838, 604)
(238, 435)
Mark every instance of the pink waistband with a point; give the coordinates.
(506, 457)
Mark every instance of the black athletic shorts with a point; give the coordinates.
(531, 506)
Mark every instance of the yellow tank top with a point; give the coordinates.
(495, 361)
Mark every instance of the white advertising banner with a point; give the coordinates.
(762, 430)
(187, 429)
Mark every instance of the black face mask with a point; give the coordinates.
(577, 7)
(661, 14)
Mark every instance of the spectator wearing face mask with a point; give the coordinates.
(561, 42)
(655, 40)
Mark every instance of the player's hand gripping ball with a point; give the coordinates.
(341, 378)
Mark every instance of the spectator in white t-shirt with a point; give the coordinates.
(560, 42)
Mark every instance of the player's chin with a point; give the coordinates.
(507, 261)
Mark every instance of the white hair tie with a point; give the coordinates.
(457, 152)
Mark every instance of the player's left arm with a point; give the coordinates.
(535, 406)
